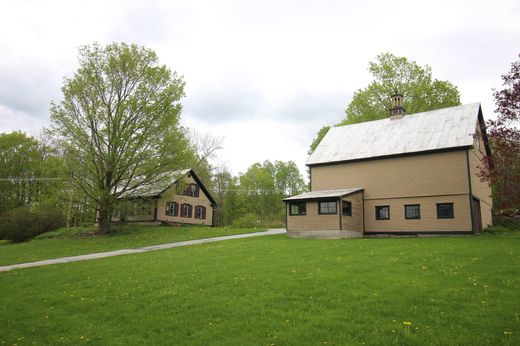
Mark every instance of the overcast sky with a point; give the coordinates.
(265, 75)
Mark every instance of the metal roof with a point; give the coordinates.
(157, 186)
(434, 130)
(323, 194)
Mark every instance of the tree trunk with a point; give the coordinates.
(105, 213)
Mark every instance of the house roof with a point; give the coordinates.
(158, 186)
(427, 131)
(165, 182)
(323, 194)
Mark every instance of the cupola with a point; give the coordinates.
(397, 110)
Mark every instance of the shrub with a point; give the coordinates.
(24, 223)
(246, 221)
(511, 223)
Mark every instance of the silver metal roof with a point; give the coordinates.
(323, 194)
(434, 130)
(156, 187)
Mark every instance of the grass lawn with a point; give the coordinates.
(69, 242)
(276, 291)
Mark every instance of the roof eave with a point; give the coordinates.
(423, 152)
(289, 199)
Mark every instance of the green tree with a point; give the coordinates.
(20, 165)
(287, 178)
(31, 171)
(390, 74)
(319, 136)
(264, 185)
(119, 122)
(258, 186)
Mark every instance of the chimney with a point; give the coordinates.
(397, 110)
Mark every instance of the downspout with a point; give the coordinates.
(340, 213)
(473, 228)
(363, 205)
(286, 217)
(310, 178)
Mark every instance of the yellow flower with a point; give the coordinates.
(407, 323)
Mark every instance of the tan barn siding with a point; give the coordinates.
(354, 222)
(428, 211)
(419, 175)
(479, 188)
(171, 196)
(312, 221)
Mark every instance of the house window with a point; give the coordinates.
(186, 210)
(200, 212)
(297, 208)
(383, 212)
(346, 208)
(172, 208)
(328, 207)
(191, 190)
(412, 211)
(445, 211)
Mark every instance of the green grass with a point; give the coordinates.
(70, 242)
(274, 290)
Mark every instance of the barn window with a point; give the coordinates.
(346, 208)
(297, 208)
(445, 211)
(383, 212)
(328, 207)
(412, 211)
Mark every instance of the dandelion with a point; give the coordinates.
(407, 325)
(508, 333)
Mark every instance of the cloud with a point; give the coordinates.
(12, 119)
(224, 104)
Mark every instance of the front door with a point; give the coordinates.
(477, 218)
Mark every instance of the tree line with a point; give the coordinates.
(34, 172)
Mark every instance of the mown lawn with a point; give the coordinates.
(276, 291)
(75, 241)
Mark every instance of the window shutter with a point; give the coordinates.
(175, 209)
(203, 212)
(189, 208)
(181, 210)
(197, 189)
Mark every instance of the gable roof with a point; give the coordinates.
(323, 194)
(439, 129)
(164, 183)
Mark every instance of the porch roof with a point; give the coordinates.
(323, 194)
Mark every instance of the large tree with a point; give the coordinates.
(503, 167)
(390, 74)
(119, 120)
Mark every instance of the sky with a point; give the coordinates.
(264, 75)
